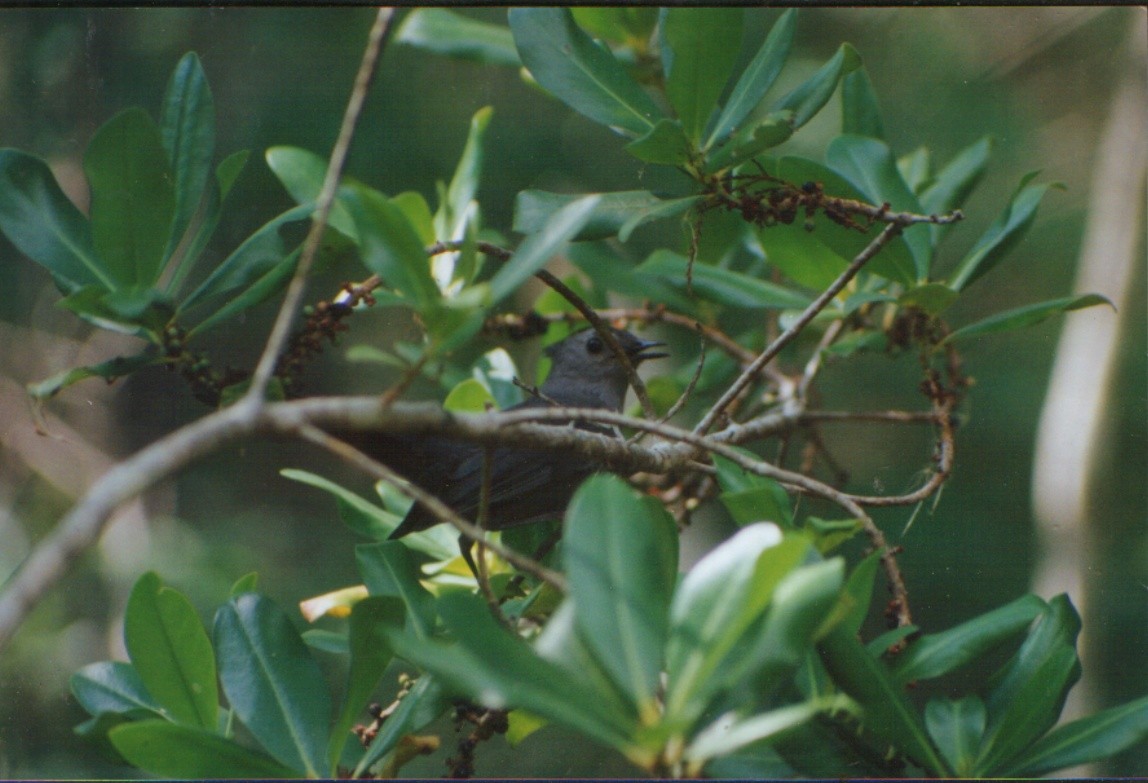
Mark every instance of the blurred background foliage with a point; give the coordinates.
(1039, 80)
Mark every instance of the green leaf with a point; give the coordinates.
(244, 584)
(916, 169)
(1095, 738)
(933, 298)
(109, 371)
(260, 254)
(727, 734)
(789, 246)
(666, 143)
(448, 33)
(957, 728)
(610, 272)
(870, 166)
(579, 72)
(629, 25)
(168, 750)
(1023, 317)
(828, 534)
(391, 247)
(614, 212)
(858, 592)
(499, 670)
(370, 654)
(390, 569)
(171, 652)
(1026, 696)
(752, 140)
(860, 113)
(1002, 236)
(187, 128)
(752, 498)
(45, 226)
(302, 173)
(111, 686)
(757, 78)
(722, 286)
(470, 396)
(272, 282)
(705, 44)
(810, 97)
(360, 515)
(956, 181)
(722, 597)
(133, 198)
(426, 701)
(888, 715)
(936, 654)
(464, 184)
(538, 248)
(272, 682)
(620, 552)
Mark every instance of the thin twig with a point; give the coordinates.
(887, 234)
(291, 300)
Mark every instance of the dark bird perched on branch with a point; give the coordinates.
(526, 485)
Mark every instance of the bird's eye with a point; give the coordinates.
(594, 344)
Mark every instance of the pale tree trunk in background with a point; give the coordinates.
(1073, 423)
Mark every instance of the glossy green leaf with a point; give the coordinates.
(1002, 236)
(933, 298)
(144, 312)
(614, 211)
(272, 682)
(668, 208)
(45, 225)
(620, 552)
(705, 43)
(390, 246)
(168, 750)
(722, 597)
(448, 33)
(259, 290)
(757, 78)
(828, 534)
(728, 734)
(357, 513)
(623, 24)
(789, 246)
(390, 569)
(888, 714)
(560, 227)
(470, 396)
(666, 143)
(171, 652)
(933, 655)
(261, 253)
(957, 728)
(811, 96)
(869, 165)
(464, 184)
(426, 701)
(916, 169)
(498, 669)
(302, 173)
(327, 641)
(752, 140)
(244, 584)
(109, 371)
(579, 72)
(610, 272)
(751, 498)
(370, 655)
(860, 112)
(187, 128)
(133, 197)
(1084, 741)
(722, 286)
(1024, 317)
(956, 181)
(1025, 697)
(112, 686)
(858, 592)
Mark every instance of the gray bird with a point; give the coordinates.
(526, 485)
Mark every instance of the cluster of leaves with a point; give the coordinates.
(764, 674)
(751, 663)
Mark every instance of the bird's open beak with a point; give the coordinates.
(644, 351)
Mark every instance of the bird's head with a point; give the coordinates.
(585, 372)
